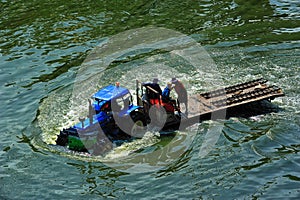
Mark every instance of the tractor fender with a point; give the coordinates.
(133, 109)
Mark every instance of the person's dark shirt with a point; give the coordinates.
(156, 87)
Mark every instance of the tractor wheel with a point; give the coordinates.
(158, 116)
(138, 128)
(62, 139)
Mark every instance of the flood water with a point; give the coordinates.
(55, 54)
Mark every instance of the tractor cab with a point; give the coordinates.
(111, 97)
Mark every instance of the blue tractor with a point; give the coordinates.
(112, 118)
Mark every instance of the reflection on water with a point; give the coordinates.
(98, 179)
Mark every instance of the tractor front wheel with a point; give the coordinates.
(138, 128)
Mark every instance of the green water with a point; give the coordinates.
(42, 47)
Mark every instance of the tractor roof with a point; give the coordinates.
(110, 92)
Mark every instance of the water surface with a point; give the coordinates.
(42, 46)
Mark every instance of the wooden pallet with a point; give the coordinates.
(230, 97)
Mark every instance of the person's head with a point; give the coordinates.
(169, 85)
(155, 80)
(174, 80)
